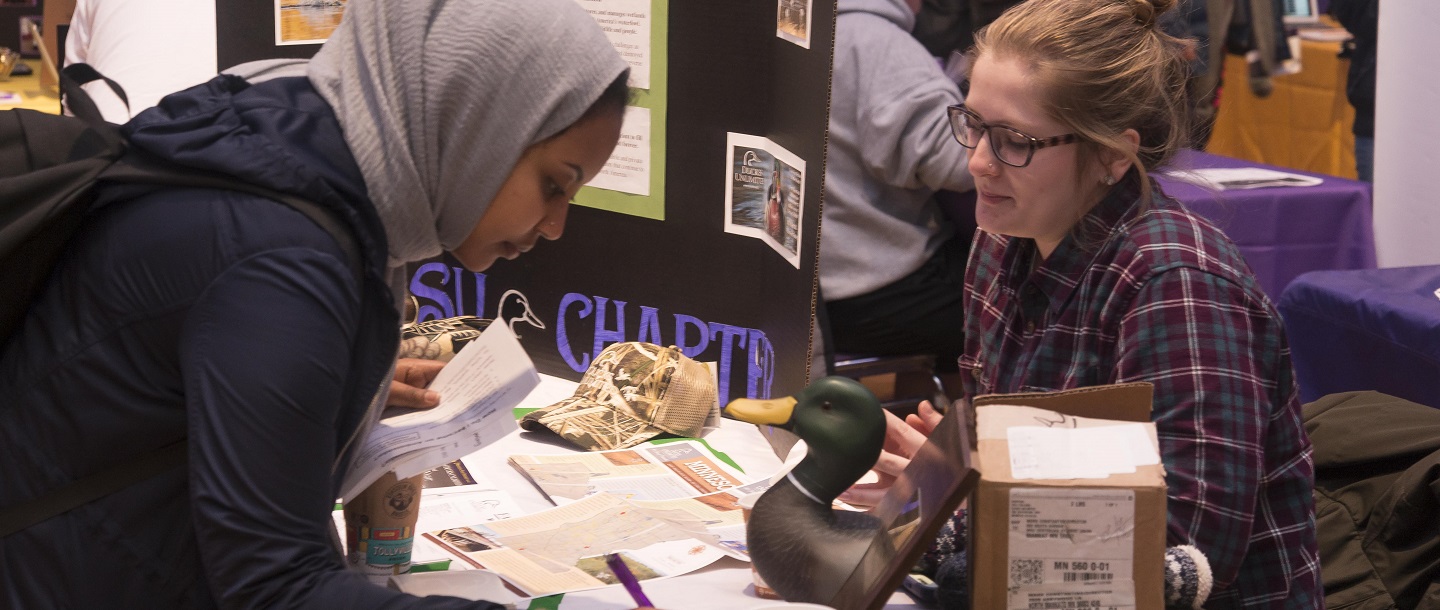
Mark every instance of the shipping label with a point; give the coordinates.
(1071, 549)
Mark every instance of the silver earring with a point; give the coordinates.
(1108, 180)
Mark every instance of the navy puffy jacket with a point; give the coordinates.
(220, 317)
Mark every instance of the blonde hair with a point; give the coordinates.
(1104, 67)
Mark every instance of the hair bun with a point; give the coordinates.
(1145, 11)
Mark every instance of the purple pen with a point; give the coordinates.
(622, 572)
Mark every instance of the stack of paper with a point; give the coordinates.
(1225, 178)
(647, 472)
(478, 390)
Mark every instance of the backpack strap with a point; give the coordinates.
(73, 95)
(91, 487)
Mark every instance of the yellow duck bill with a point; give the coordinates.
(778, 412)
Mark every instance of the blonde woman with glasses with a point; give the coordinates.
(1085, 273)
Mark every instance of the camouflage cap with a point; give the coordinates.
(631, 393)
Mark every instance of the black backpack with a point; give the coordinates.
(50, 166)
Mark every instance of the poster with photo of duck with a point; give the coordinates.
(764, 193)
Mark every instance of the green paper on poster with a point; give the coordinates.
(633, 181)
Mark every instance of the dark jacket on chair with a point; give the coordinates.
(1377, 500)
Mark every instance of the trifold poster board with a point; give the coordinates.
(703, 230)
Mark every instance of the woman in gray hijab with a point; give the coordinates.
(235, 345)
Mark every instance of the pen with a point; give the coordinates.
(622, 572)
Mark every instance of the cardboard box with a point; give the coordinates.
(1058, 542)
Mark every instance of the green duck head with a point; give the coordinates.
(841, 422)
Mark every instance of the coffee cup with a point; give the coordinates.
(380, 527)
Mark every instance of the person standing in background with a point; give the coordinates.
(1361, 18)
(891, 265)
(152, 48)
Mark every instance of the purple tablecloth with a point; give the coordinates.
(1375, 329)
(1284, 231)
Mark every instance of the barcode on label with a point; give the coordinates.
(1087, 576)
(1027, 572)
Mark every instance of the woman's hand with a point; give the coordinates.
(902, 439)
(412, 376)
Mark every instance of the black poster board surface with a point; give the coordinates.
(753, 67)
(685, 281)
(245, 31)
(10, 15)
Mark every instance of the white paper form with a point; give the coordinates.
(478, 389)
(1071, 548)
(1079, 453)
(627, 24)
(645, 472)
(628, 169)
(1226, 178)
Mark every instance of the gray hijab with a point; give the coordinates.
(439, 98)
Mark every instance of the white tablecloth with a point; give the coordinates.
(725, 584)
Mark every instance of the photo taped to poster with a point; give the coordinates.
(764, 192)
(792, 21)
(306, 21)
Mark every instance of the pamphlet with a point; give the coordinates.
(1225, 178)
(563, 549)
(478, 389)
(646, 472)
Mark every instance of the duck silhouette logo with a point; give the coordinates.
(751, 159)
(515, 308)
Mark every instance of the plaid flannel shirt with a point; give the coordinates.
(1163, 296)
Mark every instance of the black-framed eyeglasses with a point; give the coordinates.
(1011, 147)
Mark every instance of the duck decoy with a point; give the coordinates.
(797, 541)
(440, 339)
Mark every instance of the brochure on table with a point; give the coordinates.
(645, 472)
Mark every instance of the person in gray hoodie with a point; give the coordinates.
(891, 265)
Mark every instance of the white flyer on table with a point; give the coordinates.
(478, 389)
(1226, 178)
(646, 472)
(563, 549)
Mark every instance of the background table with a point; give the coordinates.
(1285, 231)
(1376, 329)
(1303, 124)
(33, 95)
